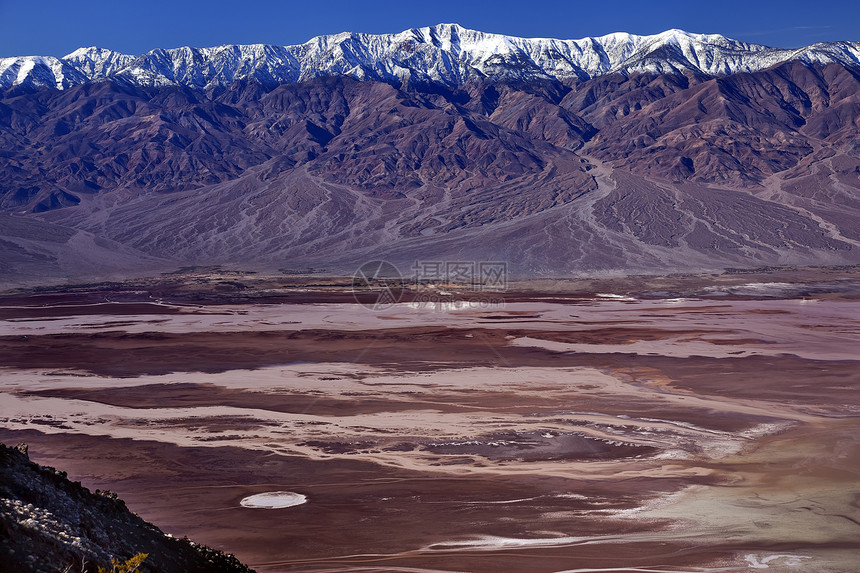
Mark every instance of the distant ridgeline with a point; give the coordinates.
(446, 54)
(674, 152)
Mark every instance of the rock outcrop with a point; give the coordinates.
(49, 524)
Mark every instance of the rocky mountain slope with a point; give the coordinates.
(50, 524)
(616, 154)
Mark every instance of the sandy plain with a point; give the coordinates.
(699, 424)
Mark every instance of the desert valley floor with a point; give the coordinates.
(699, 424)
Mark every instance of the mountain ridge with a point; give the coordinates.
(447, 54)
(637, 172)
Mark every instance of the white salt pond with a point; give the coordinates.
(273, 500)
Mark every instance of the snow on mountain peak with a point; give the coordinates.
(444, 53)
(39, 72)
(97, 63)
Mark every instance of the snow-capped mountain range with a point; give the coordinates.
(446, 53)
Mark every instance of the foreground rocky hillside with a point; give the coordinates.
(675, 167)
(50, 524)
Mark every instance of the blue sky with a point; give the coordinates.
(51, 27)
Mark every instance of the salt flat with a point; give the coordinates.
(548, 433)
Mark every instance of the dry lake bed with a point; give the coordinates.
(695, 424)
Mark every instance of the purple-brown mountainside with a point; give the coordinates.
(622, 172)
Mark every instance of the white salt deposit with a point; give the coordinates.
(274, 500)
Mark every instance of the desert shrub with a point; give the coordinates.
(128, 566)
